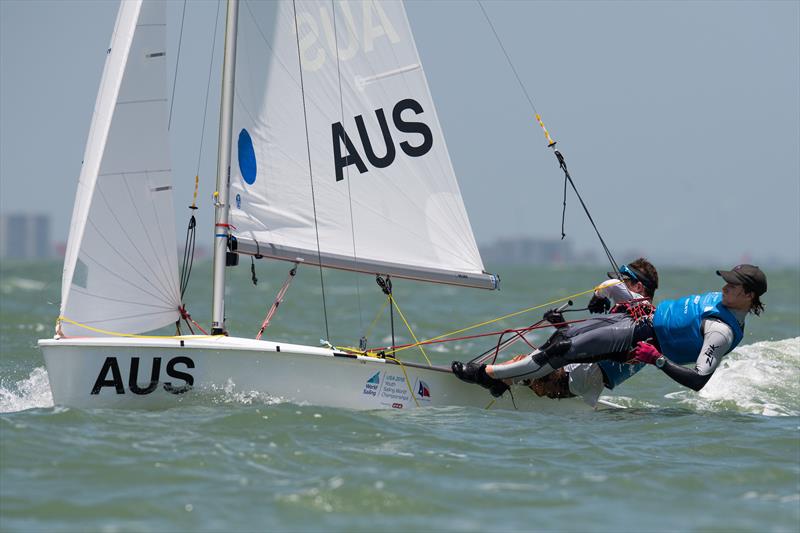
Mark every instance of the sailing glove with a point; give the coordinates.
(644, 352)
(599, 304)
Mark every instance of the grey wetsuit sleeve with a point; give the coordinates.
(717, 341)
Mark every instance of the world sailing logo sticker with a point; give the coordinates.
(372, 384)
(247, 158)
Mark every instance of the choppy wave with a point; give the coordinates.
(30, 393)
(761, 378)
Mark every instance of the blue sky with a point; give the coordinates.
(680, 121)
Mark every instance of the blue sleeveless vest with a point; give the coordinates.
(615, 373)
(677, 325)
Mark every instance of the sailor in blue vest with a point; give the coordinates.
(703, 328)
(700, 328)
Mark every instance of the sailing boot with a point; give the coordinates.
(472, 373)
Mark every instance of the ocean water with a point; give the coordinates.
(724, 459)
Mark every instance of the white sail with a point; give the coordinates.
(120, 270)
(344, 161)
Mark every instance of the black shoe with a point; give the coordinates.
(472, 373)
(467, 372)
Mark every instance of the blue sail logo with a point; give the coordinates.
(247, 158)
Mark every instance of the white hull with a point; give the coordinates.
(96, 372)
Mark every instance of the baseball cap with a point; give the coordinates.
(749, 276)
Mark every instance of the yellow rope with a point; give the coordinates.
(486, 323)
(408, 326)
(133, 335)
(408, 383)
(375, 320)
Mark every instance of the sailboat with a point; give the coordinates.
(330, 154)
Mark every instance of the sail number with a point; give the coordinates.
(352, 156)
(111, 366)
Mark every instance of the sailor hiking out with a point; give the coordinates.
(633, 286)
(701, 328)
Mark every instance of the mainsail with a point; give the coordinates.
(120, 270)
(343, 161)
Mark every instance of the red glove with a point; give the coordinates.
(644, 352)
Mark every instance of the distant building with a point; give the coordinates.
(533, 251)
(25, 236)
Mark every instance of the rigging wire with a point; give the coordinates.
(177, 64)
(208, 89)
(551, 144)
(191, 230)
(347, 169)
(310, 170)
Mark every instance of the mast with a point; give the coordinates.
(221, 207)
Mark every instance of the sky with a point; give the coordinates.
(680, 121)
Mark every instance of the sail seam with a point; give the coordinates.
(121, 278)
(158, 287)
(120, 300)
(172, 282)
(125, 317)
(142, 101)
(135, 171)
(167, 281)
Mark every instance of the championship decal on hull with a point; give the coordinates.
(394, 390)
(390, 390)
(110, 376)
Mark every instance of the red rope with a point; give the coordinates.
(518, 331)
(277, 302)
(188, 318)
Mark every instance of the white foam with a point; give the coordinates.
(228, 394)
(9, 285)
(761, 378)
(30, 393)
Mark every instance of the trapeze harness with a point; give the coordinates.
(616, 372)
(595, 339)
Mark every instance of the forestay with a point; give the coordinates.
(120, 271)
(344, 162)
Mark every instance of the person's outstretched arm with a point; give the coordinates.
(717, 340)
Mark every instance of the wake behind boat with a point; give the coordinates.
(339, 162)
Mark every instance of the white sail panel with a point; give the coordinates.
(120, 271)
(384, 190)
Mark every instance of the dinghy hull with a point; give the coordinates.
(143, 373)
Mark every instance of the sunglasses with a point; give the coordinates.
(628, 273)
